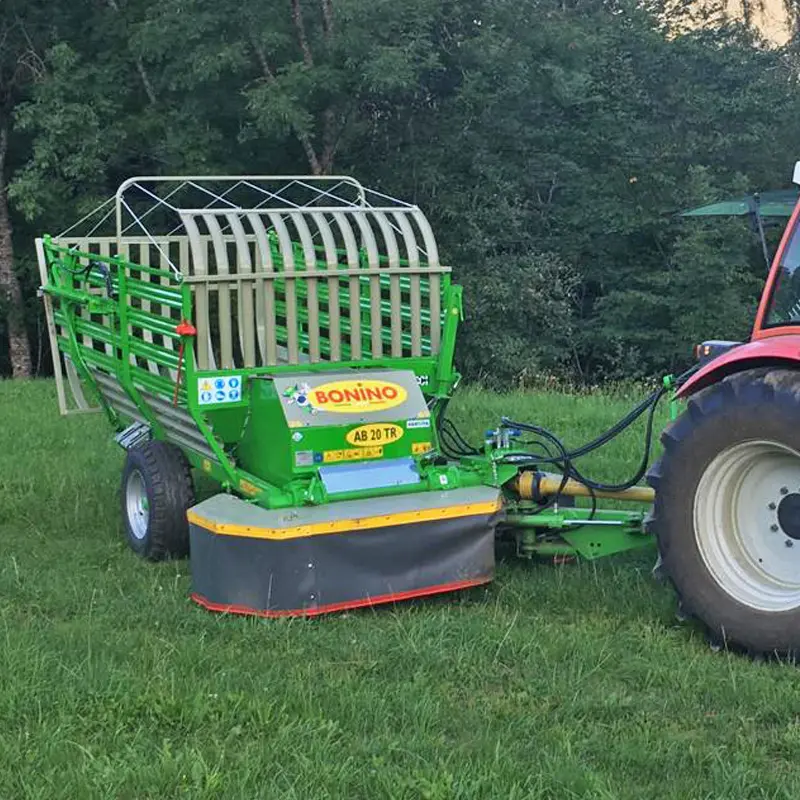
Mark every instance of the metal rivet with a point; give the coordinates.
(773, 528)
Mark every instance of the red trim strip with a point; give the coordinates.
(334, 607)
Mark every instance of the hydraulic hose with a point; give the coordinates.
(455, 446)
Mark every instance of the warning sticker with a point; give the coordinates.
(418, 448)
(331, 456)
(220, 389)
(248, 488)
(304, 458)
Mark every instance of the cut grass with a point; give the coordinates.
(553, 682)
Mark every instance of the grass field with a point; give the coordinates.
(554, 682)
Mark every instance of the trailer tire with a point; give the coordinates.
(157, 490)
(727, 511)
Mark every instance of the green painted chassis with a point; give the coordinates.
(553, 531)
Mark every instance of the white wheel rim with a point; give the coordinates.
(749, 541)
(136, 504)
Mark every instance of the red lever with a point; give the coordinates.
(185, 328)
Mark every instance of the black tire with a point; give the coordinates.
(757, 412)
(158, 474)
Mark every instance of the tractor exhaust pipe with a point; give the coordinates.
(538, 485)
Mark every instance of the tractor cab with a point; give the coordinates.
(780, 303)
(779, 308)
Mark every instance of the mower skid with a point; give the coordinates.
(316, 560)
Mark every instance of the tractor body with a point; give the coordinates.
(727, 506)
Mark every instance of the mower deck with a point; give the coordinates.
(314, 560)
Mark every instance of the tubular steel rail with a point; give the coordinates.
(252, 276)
(310, 271)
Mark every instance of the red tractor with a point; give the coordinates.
(727, 503)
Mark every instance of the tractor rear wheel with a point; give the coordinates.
(727, 510)
(157, 491)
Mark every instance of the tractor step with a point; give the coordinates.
(320, 559)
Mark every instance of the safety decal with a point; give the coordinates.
(304, 458)
(220, 389)
(331, 456)
(248, 488)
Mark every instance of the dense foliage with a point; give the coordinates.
(551, 142)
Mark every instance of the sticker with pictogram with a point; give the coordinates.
(219, 389)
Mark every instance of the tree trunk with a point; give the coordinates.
(10, 291)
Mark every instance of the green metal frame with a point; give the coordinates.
(86, 285)
(76, 279)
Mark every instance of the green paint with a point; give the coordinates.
(255, 453)
(578, 531)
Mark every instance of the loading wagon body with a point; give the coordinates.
(292, 338)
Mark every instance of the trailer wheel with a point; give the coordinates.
(157, 490)
(727, 510)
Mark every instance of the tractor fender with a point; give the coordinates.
(779, 351)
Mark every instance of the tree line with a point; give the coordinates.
(551, 142)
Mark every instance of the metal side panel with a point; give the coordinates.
(342, 398)
(116, 396)
(178, 424)
(176, 421)
(364, 476)
(228, 515)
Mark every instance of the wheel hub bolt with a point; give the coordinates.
(773, 528)
(784, 490)
(789, 543)
(772, 506)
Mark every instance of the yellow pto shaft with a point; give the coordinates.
(535, 485)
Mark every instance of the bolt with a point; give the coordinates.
(773, 528)
(772, 506)
(784, 490)
(789, 543)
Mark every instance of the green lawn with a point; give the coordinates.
(555, 682)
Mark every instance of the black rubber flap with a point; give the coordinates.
(329, 572)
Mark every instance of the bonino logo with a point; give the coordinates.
(357, 397)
